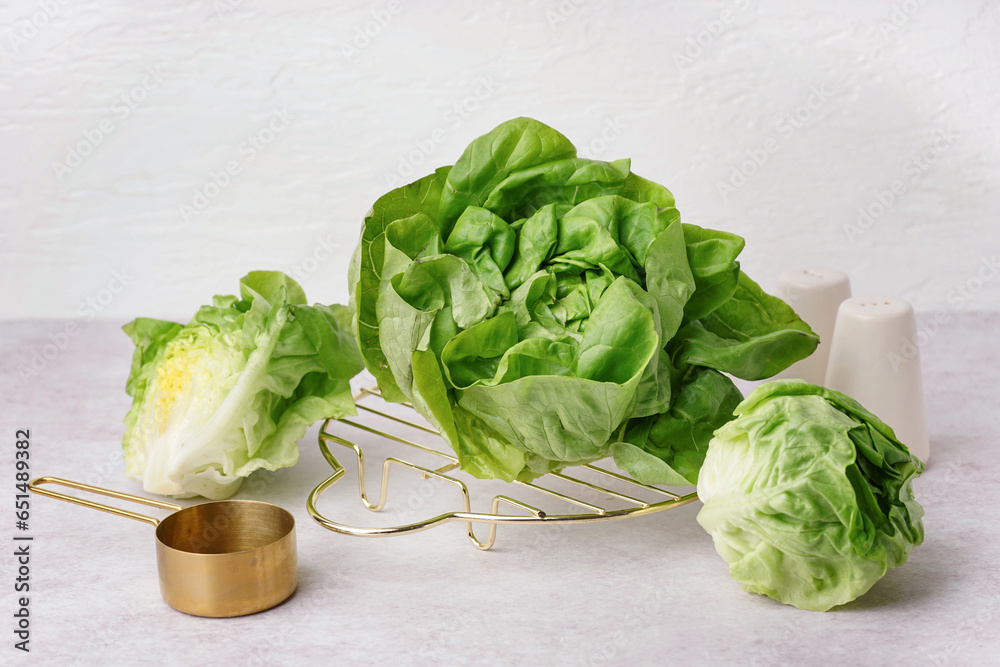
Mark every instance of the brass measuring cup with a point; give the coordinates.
(220, 559)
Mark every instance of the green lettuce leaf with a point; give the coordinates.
(752, 335)
(808, 496)
(669, 448)
(234, 389)
(514, 146)
(366, 270)
(544, 309)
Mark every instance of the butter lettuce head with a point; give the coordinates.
(808, 496)
(543, 309)
(235, 388)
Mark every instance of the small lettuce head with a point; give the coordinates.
(808, 496)
(543, 310)
(235, 388)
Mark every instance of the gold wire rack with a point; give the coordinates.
(588, 511)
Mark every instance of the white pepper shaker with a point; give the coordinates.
(815, 294)
(874, 359)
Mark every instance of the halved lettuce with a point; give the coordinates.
(543, 309)
(809, 496)
(235, 388)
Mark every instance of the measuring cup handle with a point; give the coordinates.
(36, 486)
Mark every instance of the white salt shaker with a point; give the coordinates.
(874, 359)
(814, 294)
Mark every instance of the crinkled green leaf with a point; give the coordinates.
(536, 241)
(712, 256)
(366, 270)
(553, 303)
(149, 336)
(513, 146)
(474, 354)
(572, 418)
(571, 181)
(669, 277)
(753, 335)
(669, 448)
(234, 389)
(486, 242)
(808, 496)
(327, 328)
(480, 451)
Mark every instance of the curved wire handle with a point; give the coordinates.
(36, 486)
(467, 516)
(534, 515)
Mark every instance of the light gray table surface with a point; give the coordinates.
(647, 590)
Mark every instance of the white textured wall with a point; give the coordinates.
(170, 91)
